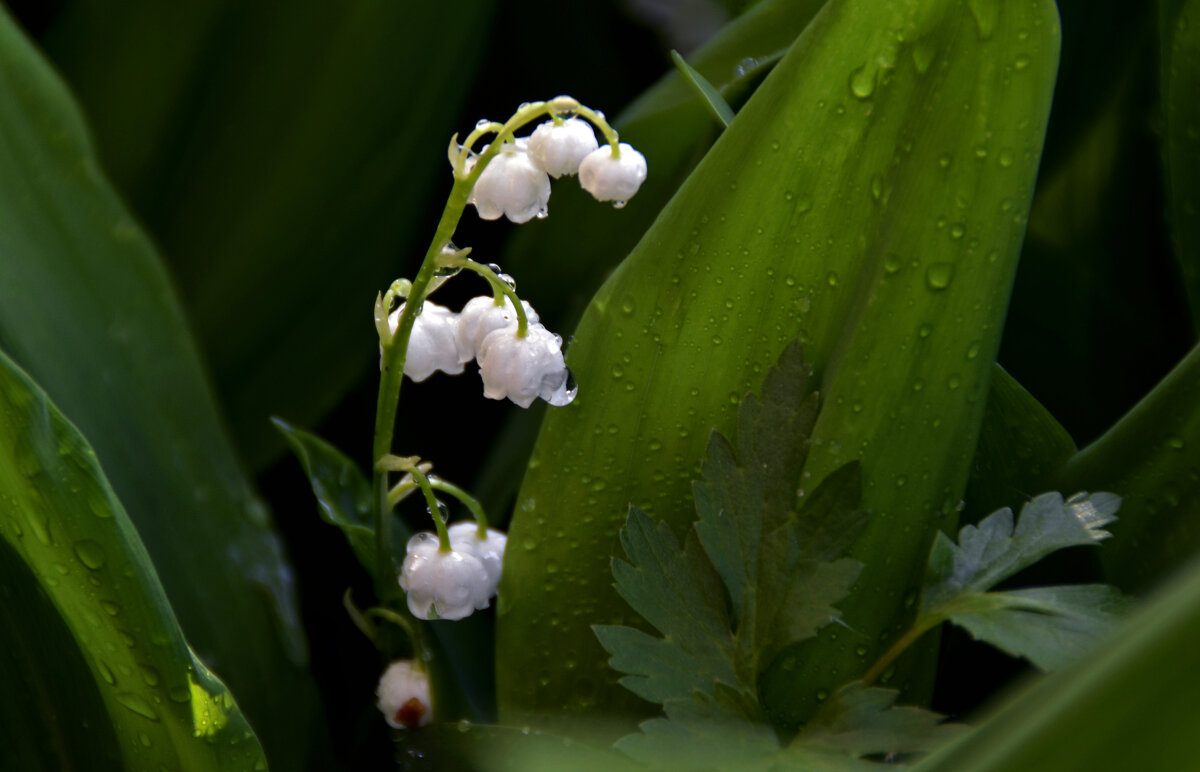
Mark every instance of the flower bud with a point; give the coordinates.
(610, 178)
(559, 148)
(403, 695)
(432, 344)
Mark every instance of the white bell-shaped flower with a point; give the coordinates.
(559, 148)
(454, 583)
(433, 343)
(464, 537)
(524, 369)
(512, 185)
(481, 317)
(610, 178)
(403, 695)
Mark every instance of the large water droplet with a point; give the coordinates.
(138, 705)
(90, 554)
(892, 262)
(986, 13)
(862, 82)
(939, 275)
(39, 526)
(922, 56)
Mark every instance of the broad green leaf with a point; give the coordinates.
(285, 156)
(865, 721)
(1130, 705)
(1179, 82)
(487, 748)
(161, 704)
(88, 311)
(1150, 457)
(1049, 626)
(1020, 447)
(868, 198)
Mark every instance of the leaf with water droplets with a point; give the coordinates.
(108, 611)
(712, 98)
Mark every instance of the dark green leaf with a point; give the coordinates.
(1049, 626)
(467, 747)
(165, 709)
(1179, 57)
(712, 98)
(1151, 458)
(864, 721)
(283, 156)
(87, 309)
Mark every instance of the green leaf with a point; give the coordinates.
(1049, 626)
(282, 161)
(88, 311)
(1128, 705)
(713, 100)
(343, 493)
(864, 721)
(484, 748)
(1020, 446)
(163, 707)
(885, 238)
(1179, 73)
(994, 550)
(1150, 457)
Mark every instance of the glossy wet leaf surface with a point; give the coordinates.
(88, 311)
(869, 198)
(159, 706)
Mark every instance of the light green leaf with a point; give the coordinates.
(713, 100)
(88, 311)
(856, 204)
(994, 550)
(283, 161)
(1179, 73)
(1151, 457)
(1128, 705)
(163, 707)
(1049, 626)
(864, 721)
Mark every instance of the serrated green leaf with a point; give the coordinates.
(865, 721)
(283, 161)
(88, 311)
(1151, 457)
(163, 706)
(994, 550)
(712, 98)
(1049, 626)
(805, 219)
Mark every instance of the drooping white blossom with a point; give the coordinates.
(610, 178)
(559, 148)
(480, 317)
(512, 185)
(464, 536)
(453, 584)
(524, 369)
(403, 695)
(433, 342)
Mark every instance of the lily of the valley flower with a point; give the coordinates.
(481, 317)
(490, 550)
(559, 148)
(452, 584)
(524, 369)
(432, 345)
(613, 178)
(512, 185)
(403, 695)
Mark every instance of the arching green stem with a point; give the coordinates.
(501, 288)
(438, 484)
(922, 625)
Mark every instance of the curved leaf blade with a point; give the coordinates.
(65, 522)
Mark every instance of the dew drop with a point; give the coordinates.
(953, 382)
(1022, 62)
(39, 526)
(922, 56)
(892, 263)
(822, 695)
(628, 306)
(985, 13)
(90, 554)
(149, 675)
(861, 651)
(939, 275)
(111, 608)
(944, 160)
(1175, 443)
(924, 330)
(862, 82)
(1005, 158)
(973, 350)
(106, 673)
(138, 705)
(832, 278)
(877, 187)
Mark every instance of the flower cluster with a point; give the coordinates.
(456, 582)
(521, 368)
(516, 183)
(403, 695)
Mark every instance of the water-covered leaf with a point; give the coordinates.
(158, 703)
(87, 309)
